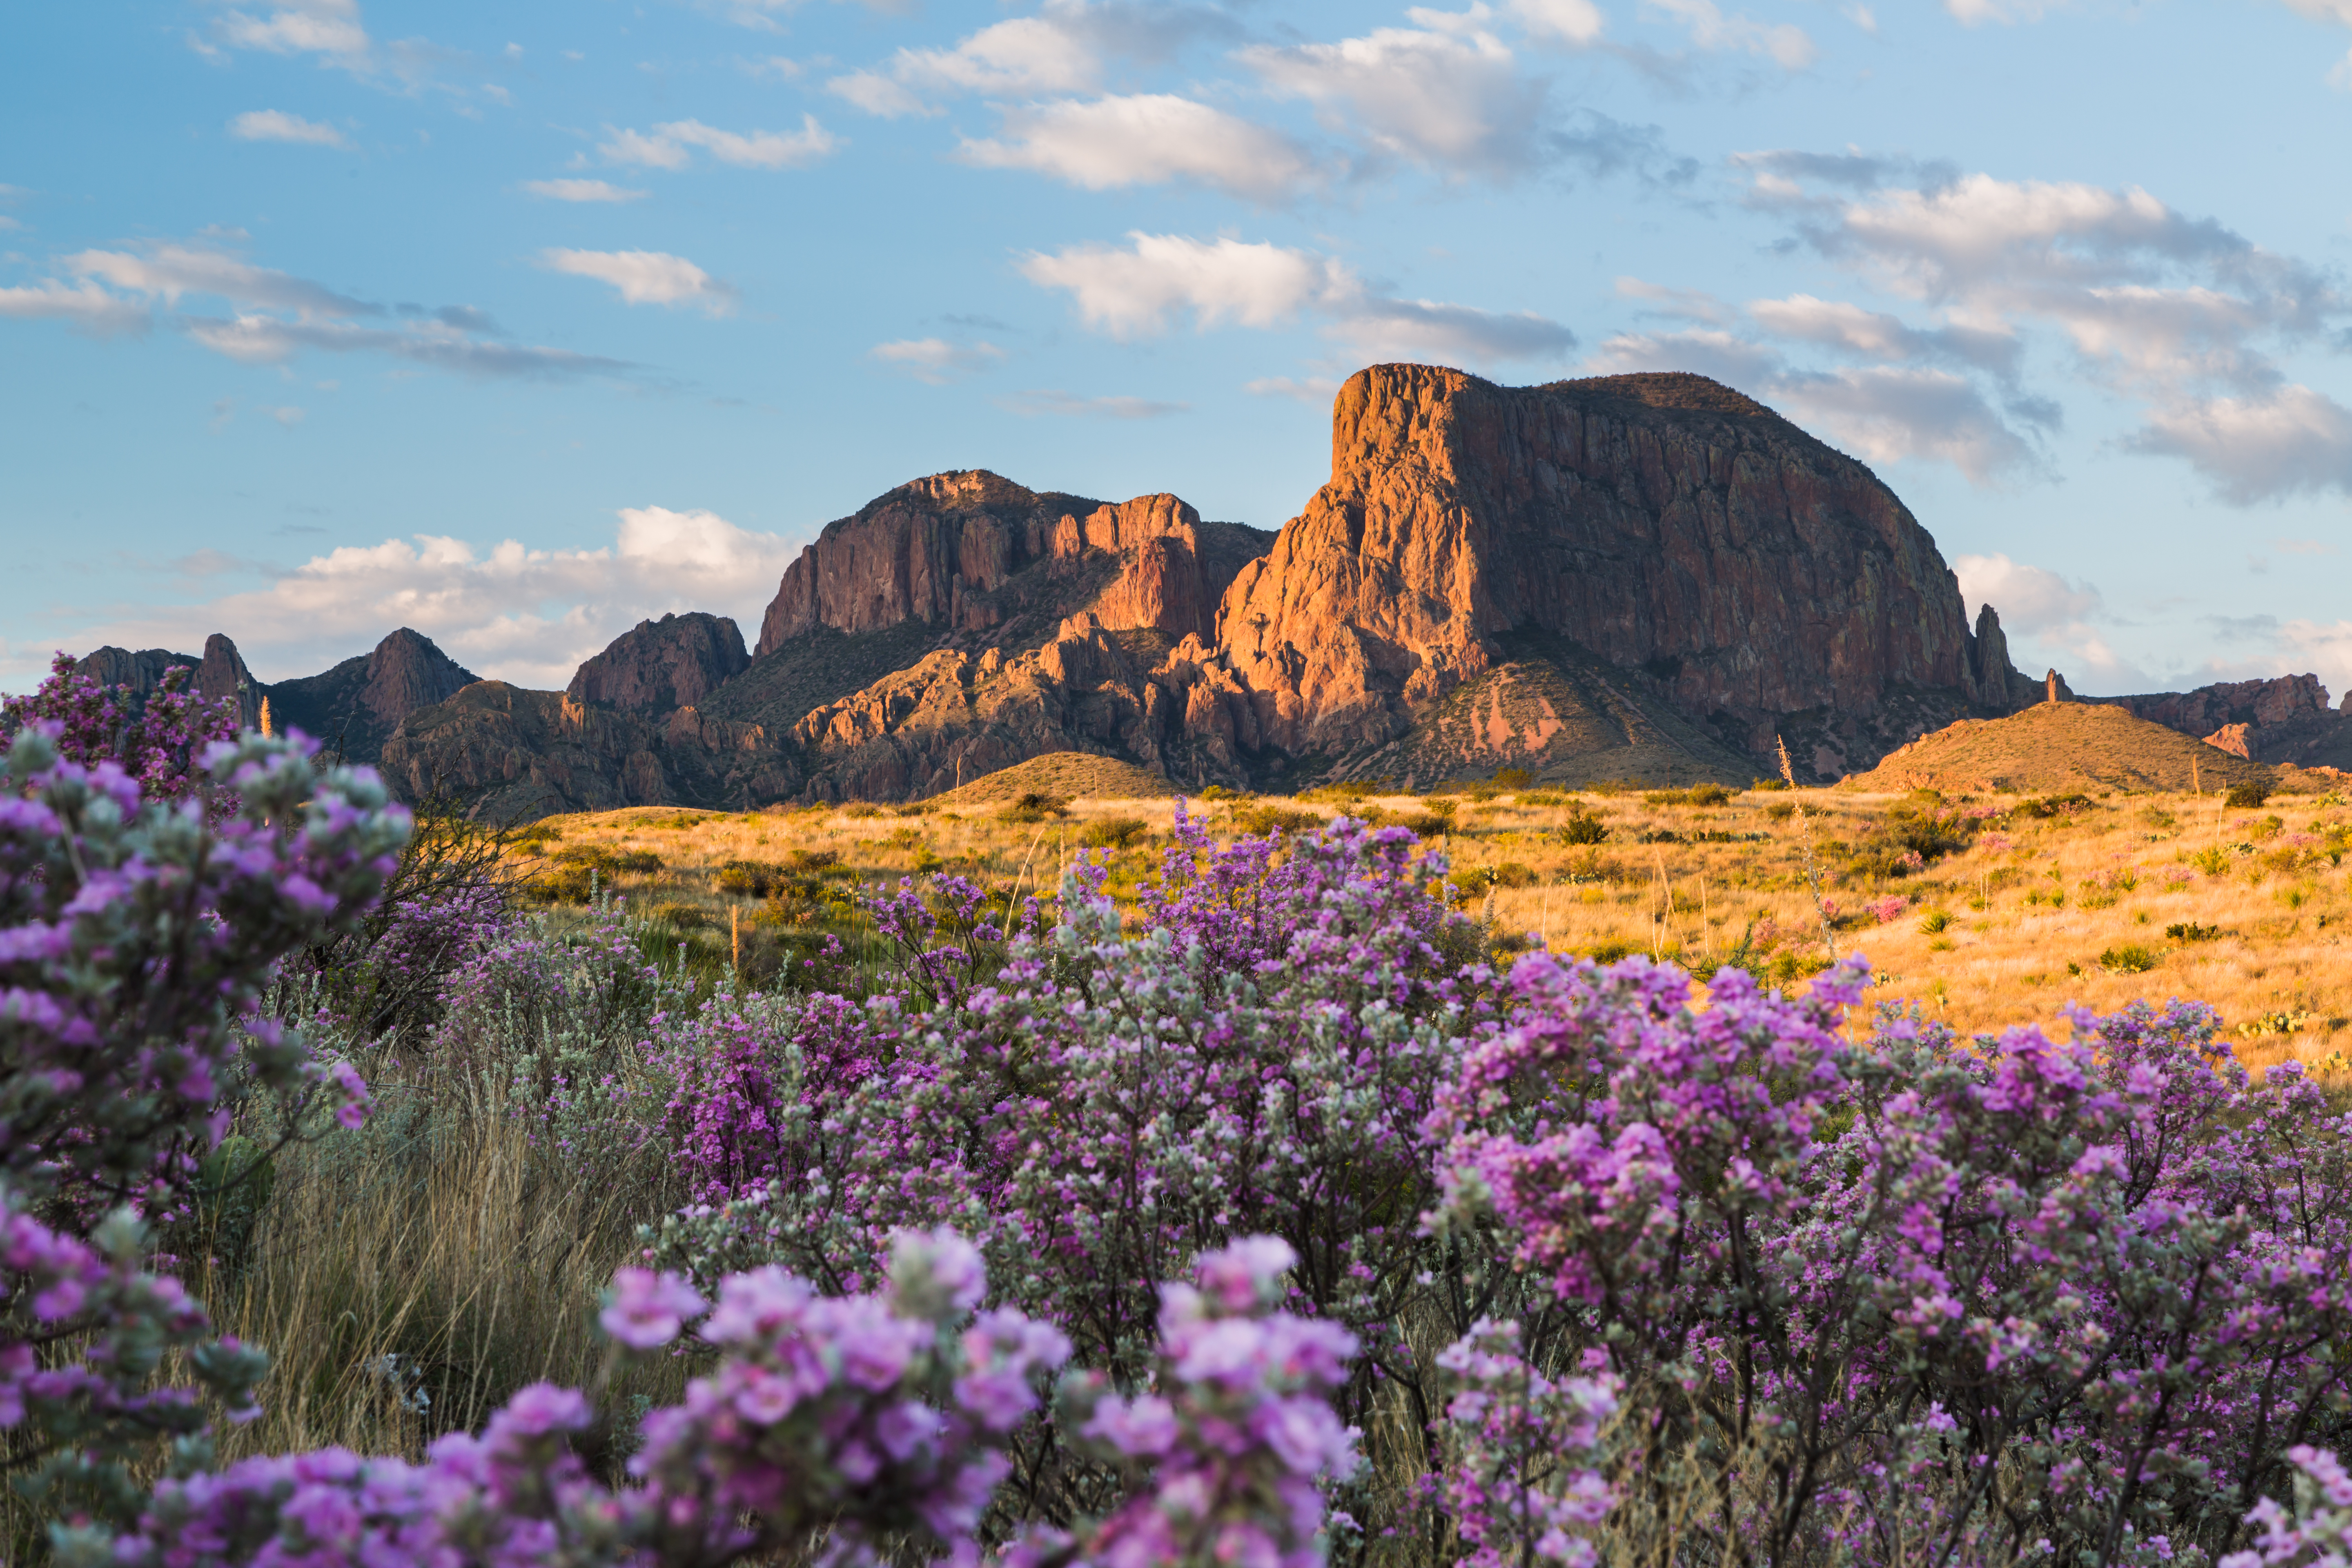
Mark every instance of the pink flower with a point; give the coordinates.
(647, 1311)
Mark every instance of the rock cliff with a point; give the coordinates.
(220, 672)
(673, 662)
(2285, 719)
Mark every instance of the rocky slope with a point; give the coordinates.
(2283, 720)
(220, 672)
(673, 662)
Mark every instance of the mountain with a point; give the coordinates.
(1622, 577)
(219, 672)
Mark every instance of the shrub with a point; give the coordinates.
(1256, 821)
(1781, 810)
(1936, 921)
(861, 808)
(2189, 930)
(1512, 780)
(1345, 792)
(1114, 832)
(748, 878)
(1513, 874)
(2045, 807)
(2128, 958)
(1035, 807)
(2252, 795)
(682, 916)
(1709, 794)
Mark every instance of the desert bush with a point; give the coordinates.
(1114, 832)
(860, 809)
(1781, 810)
(679, 916)
(2129, 958)
(2045, 807)
(2189, 930)
(1512, 780)
(1256, 821)
(1936, 921)
(1346, 792)
(1583, 828)
(1709, 794)
(2252, 795)
(1035, 807)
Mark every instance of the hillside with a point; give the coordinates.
(2058, 746)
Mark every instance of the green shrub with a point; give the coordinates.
(2043, 808)
(680, 916)
(1667, 797)
(2251, 795)
(1114, 833)
(1708, 794)
(2190, 930)
(1512, 780)
(1345, 791)
(814, 860)
(1423, 824)
(1781, 810)
(1583, 828)
(2128, 958)
(1770, 784)
(1935, 922)
(861, 808)
(1219, 792)
(1257, 821)
(751, 878)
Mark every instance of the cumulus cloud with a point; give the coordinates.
(1577, 22)
(1311, 390)
(277, 125)
(2290, 440)
(2177, 311)
(1015, 58)
(645, 277)
(1147, 139)
(582, 191)
(935, 360)
(668, 146)
(1131, 291)
(1134, 291)
(506, 611)
(1069, 406)
(1785, 44)
(329, 28)
(1726, 357)
(120, 291)
(1449, 100)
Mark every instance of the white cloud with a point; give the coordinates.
(1785, 44)
(1450, 101)
(1686, 304)
(2289, 440)
(582, 191)
(509, 613)
(935, 360)
(327, 27)
(1133, 291)
(1147, 139)
(645, 277)
(2325, 10)
(168, 271)
(275, 125)
(1069, 406)
(1016, 58)
(878, 95)
(667, 146)
(1386, 328)
(1576, 22)
(1708, 351)
(84, 304)
(2177, 311)
(1887, 414)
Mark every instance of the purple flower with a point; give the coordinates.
(647, 1311)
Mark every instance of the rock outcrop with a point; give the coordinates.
(355, 707)
(2285, 719)
(656, 666)
(505, 754)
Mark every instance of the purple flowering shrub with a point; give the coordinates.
(1875, 1294)
(136, 939)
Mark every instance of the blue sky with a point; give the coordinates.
(516, 325)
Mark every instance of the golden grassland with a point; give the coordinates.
(2032, 913)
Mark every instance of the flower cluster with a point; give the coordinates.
(1239, 1436)
(1524, 1486)
(159, 740)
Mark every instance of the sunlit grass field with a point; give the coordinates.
(2099, 900)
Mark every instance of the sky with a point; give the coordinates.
(518, 324)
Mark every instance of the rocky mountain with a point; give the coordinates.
(219, 672)
(1643, 577)
(355, 707)
(2283, 720)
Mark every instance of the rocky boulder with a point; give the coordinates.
(658, 666)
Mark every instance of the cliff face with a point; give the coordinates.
(673, 662)
(2285, 719)
(1661, 522)
(219, 672)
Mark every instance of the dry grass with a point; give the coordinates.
(2032, 905)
